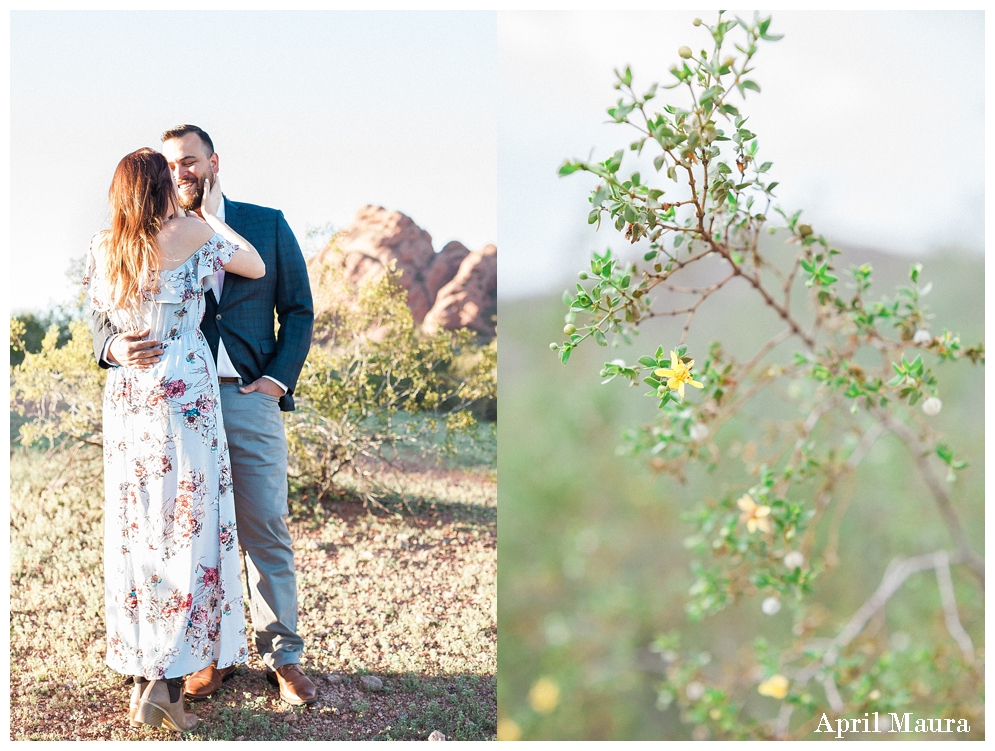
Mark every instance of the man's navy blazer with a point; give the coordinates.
(247, 313)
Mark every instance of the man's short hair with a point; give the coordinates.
(181, 130)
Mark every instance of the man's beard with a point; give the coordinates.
(191, 201)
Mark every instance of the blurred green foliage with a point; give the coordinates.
(594, 566)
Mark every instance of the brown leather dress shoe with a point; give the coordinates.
(202, 684)
(295, 687)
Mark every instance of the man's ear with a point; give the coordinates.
(214, 162)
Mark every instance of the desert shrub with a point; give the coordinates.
(58, 390)
(853, 368)
(375, 390)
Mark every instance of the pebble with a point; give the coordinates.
(371, 683)
(436, 736)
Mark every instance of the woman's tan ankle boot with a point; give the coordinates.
(162, 704)
(137, 688)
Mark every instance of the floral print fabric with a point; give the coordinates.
(173, 590)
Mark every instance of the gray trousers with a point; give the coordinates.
(258, 447)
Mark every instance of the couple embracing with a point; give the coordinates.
(184, 286)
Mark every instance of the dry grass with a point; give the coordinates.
(409, 598)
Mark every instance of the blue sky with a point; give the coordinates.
(314, 113)
(874, 122)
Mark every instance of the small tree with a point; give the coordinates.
(861, 368)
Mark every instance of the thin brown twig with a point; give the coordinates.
(767, 347)
(756, 284)
(849, 467)
(937, 487)
(952, 619)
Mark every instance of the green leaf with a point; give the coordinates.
(710, 93)
(614, 162)
(752, 85)
(647, 361)
(944, 453)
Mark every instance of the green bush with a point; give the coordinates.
(376, 386)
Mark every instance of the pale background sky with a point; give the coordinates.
(874, 122)
(314, 113)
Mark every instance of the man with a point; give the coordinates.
(257, 371)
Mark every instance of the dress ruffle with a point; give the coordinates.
(175, 285)
(209, 259)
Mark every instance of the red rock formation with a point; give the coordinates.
(452, 288)
(444, 267)
(470, 299)
(378, 236)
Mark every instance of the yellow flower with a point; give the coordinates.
(508, 730)
(754, 515)
(544, 696)
(775, 686)
(677, 374)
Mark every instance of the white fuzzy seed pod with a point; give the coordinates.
(932, 406)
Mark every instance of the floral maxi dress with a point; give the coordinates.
(172, 585)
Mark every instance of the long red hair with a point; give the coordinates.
(141, 196)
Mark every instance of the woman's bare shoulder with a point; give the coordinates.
(180, 238)
(187, 228)
(184, 233)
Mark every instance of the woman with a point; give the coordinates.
(173, 592)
